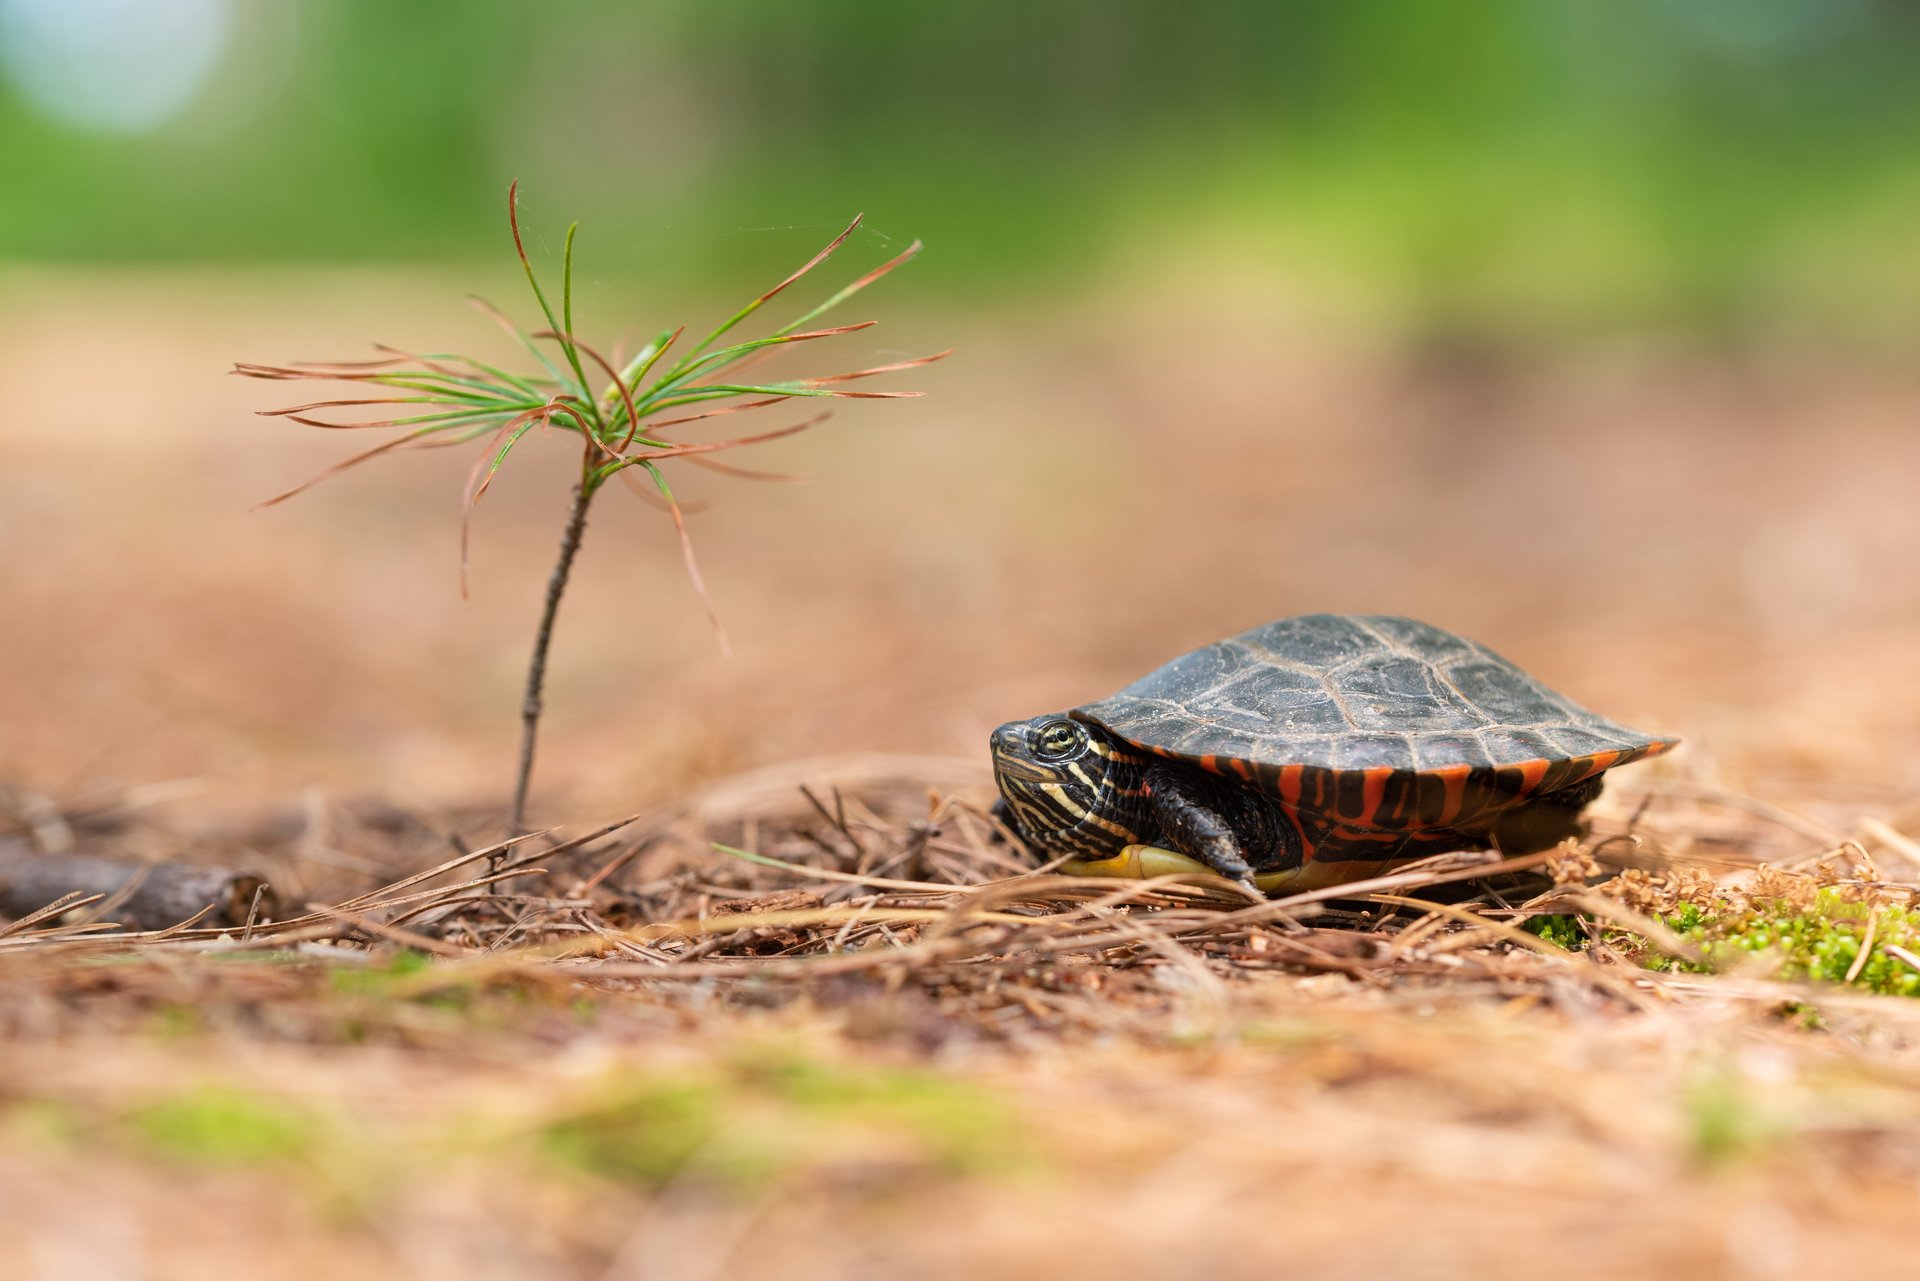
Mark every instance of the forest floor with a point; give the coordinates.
(894, 1053)
(888, 1047)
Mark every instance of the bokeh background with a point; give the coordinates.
(1585, 327)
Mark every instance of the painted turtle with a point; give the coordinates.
(1308, 752)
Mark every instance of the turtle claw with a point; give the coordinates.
(1224, 861)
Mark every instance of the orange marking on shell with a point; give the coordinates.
(1290, 784)
(1531, 772)
(1373, 790)
(1308, 846)
(1210, 763)
(1240, 768)
(1600, 762)
(1454, 779)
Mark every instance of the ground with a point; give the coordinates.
(586, 1075)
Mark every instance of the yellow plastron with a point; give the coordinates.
(1138, 862)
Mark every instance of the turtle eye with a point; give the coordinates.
(1057, 739)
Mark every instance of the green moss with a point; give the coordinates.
(1561, 931)
(744, 1123)
(1801, 1015)
(1820, 943)
(378, 980)
(224, 1127)
(1724, 1122)
(414, 979)
(958, 1126)
(1688, 917)
(646, 1134)
(178, 1021)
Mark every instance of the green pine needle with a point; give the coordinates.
(465, 398)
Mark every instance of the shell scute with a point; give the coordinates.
(1419, 639)
(1510, 745)
(1370, 751)
(1576, 740)
(1504, 694)
(1334, 693)
(1211, 667)
(1394, 692)
(1317, 642)
(1440, 751)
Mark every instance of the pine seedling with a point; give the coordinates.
(625, 415)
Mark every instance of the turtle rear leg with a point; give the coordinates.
(1545, 821)
(1189, 819)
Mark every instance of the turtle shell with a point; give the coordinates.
(1301, 703)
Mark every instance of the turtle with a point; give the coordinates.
(1309, 752)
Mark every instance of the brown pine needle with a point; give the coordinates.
(715, 413)
(747, 473)
(626, 392)
(654, 500)
(883, 369)
(693, 572)
(710, 447)
(812, 262)
(337, 404)
(479, 478)
(334, 470)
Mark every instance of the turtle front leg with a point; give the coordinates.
(1188, 817)
(1002, 813)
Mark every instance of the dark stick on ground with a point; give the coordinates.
(530, 704)
(140, 896)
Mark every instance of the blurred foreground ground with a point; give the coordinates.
(1716, 544)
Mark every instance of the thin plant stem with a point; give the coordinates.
(530, 703)
(465, 399)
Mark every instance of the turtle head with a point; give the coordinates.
(1070, 787)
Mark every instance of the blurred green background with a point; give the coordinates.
(1717, 168)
